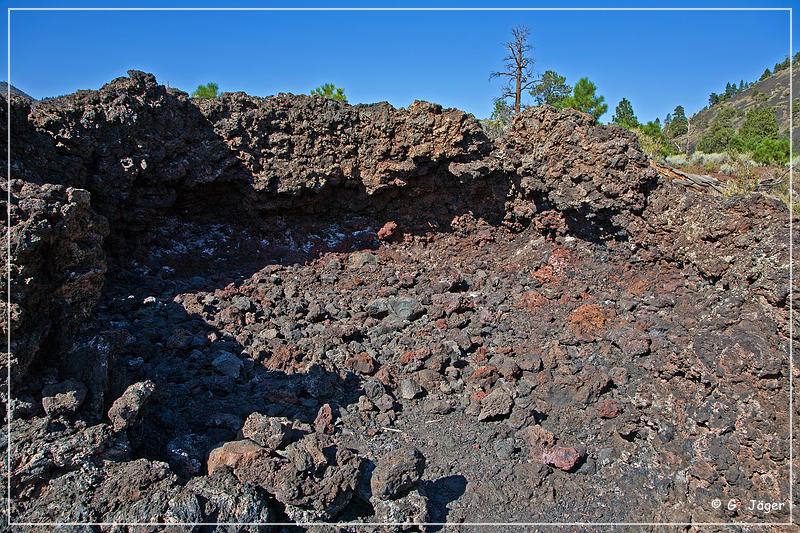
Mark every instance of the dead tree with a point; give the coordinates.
(518, 67)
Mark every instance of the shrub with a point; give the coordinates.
(771, 151)
(653, 140)
(331, 91)
(209, 90)
(678, 160)
(759, 123)
(716, 139)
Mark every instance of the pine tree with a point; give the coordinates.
(765, 75)
(551, 89)
(624, 115)
(730, 89)
(331, 91)
(679, 124)
(584, 99)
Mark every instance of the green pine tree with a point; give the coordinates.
(584, 98)
(679, 123)
(551, 89)
(759, 123)
(331, 91)
(624, 115)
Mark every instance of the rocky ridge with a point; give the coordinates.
(292, 309)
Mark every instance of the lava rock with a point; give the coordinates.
(409, 512)
(232, 453)
(497, 404)
(227, 364)
(63, 398)
(387, 231)
(609, 409)
(406, 308)
(410, 389)
(270, 432)
(127, 407)
(323, 423)
(564, 458)
(397, 472)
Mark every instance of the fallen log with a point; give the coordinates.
(700, 182)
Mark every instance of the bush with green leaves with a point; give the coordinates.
(758, 135)
(771, 151)
(760, 123)
(653, 140)
(329, 90)
(209, 90)
(497, 124)
(720, 134)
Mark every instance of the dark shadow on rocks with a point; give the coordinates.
(205, 390)
(440, 494)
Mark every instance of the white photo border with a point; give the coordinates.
(790, 522)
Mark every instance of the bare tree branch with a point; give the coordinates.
(517, 67)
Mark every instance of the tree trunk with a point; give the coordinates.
(518, 93)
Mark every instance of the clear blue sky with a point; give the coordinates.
(656, 59)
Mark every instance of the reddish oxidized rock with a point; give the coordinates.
(324, 421)
(562, 457)
(363, 363)
(609, 409)
(387, 231)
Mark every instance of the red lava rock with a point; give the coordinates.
(544, 274)
(388, 375)
(479, 395)
(531, 300)
(537, 438)
(551, 223)
(363, 363)
(387, 231)
(587, 321)
(484, 376)
(561, 457)
(414, 356)
(324, 421)
(609, 409)
(232, 454)
(480, 355)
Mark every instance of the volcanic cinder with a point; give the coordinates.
(281, 309)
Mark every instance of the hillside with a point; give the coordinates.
(773, 92)
(14, 91)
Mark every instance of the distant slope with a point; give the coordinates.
(772, 92)
(14, 90)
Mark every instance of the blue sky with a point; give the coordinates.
(656, 59)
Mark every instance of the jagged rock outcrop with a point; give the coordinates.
(57, 269)
(732, 241)
(293, 144)
(564, 161)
